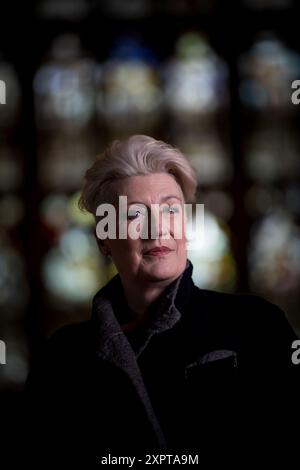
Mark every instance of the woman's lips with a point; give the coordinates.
(161, 251)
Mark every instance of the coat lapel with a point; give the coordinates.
(114, 348)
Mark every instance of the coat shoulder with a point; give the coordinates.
(242, 312)
(70, 339)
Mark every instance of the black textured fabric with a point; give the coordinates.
(210, 373)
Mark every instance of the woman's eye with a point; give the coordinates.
(174, 210)
(171, 210)
(134, 213)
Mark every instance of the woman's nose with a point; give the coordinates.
(157, 225)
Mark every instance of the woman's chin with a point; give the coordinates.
(160, 269)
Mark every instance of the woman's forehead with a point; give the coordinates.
(155, 185)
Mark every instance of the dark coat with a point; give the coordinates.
(212, 374)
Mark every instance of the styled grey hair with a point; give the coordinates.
(137, 155)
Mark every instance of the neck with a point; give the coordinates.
(141, 296)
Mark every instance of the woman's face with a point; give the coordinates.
(161, 225)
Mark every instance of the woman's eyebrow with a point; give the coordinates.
(136, 202)
(163, 198)
(171, 196)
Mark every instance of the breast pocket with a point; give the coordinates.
(211, 394)
(212, 381)
(217, 363)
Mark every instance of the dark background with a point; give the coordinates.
(49, 266)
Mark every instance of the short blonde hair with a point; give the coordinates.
(137, 155)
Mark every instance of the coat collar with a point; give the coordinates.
(112, 344)
(167, 312)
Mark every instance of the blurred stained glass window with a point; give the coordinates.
(274, 256)
(64, 87)
(14, 285)
(267, 71)
(67, 89)
(208, 156)
(71, 271)
(72, 249)
(272, 166)
(213, 260)
(14, 374)
(272, 154)
(72, 10)
(132, 98)
(64, 160)
(10, 110)
(195, 78)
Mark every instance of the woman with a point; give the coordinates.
(162, 366)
